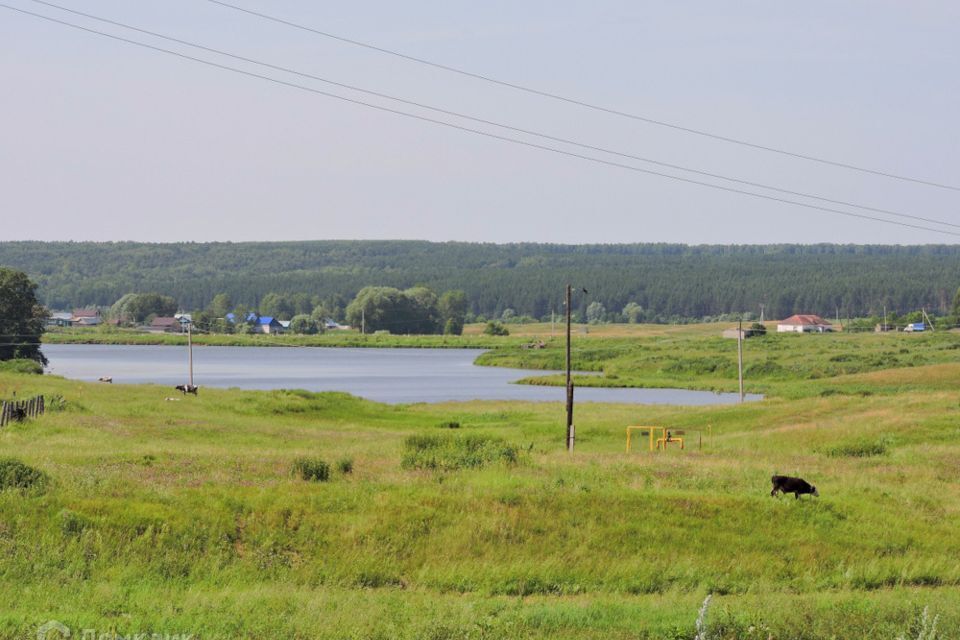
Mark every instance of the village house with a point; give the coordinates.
(165, 324)
(267, 324)
(85, 317)
(60, 319)
(804, 323)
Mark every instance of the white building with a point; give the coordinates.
(804, 323)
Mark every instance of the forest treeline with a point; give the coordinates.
(657, 282)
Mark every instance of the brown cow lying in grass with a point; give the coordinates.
(796, 486)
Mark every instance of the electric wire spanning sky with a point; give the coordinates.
(212, 120)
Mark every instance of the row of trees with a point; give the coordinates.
(669, 282)
(415, 310)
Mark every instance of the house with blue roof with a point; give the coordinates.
(267, 324)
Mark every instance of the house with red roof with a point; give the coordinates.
(85, 317)
(804, 323)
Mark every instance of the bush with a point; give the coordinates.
(448, 453)
(16, 475)
(452, 424)
(312, 469)
(858, 449)
(758, 329)
(305, 325)
(345, 465)
(495, 328)
(21, 365)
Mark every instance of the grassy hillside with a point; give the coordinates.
(184, 517)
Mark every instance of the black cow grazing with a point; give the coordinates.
(187, 388)
(796, 486)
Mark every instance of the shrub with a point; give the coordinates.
(495, 328)
(345, 465)
(312, 469)
(451, 424)
(72, 523)
(860, 449)
(448, 453)
(21, 365)
(16, 475)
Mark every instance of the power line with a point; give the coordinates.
(479, 132)
(587, 105)
(497, 124)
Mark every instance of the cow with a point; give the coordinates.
(108, 379)
(187, 388)
(796, 486)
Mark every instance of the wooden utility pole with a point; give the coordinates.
(740, 356)
(570, 427)
(190, 349)
(363, 322)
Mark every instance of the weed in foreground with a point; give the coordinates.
(345, 465)
(449, 453)
(311, 469)
(927, 628)
(14, 474)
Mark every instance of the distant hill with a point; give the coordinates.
(669, 281)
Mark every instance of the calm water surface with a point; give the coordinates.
(384, 375)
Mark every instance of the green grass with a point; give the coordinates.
(110, 335)
(184, 517)
(700, 358)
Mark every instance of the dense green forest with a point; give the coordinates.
(668, 281)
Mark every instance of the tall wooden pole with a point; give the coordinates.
(740, 356)
(570, 428)
(190, 348)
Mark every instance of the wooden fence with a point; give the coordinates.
(17, 410)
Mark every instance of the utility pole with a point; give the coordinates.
(363, 322)
(190, 349)
(761, 314)
(884, 327)
(570, 427)
(740, 356)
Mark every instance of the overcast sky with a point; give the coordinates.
(102, 140)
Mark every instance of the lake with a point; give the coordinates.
(385, 375)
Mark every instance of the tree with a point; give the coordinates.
(425, 317)
(22, 318)
(389, 309)
(120, 309)
(277, 305)
(453, 311)
(632, 312)
(380, 309)
(596, 312)
(304, 324)
(220, 306)
(149, 304)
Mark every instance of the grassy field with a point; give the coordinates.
(185, 516)
(108, 335)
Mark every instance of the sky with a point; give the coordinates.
(106, 141)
